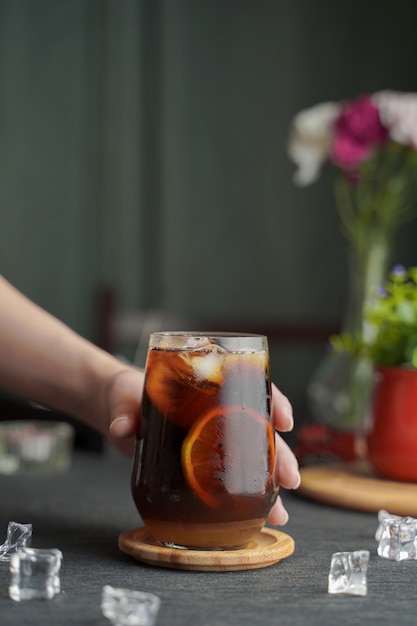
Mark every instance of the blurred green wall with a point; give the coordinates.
(69, 151)
(143, 146)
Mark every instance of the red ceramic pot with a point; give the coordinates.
(392, 438)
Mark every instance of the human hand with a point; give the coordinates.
(286, 463)
(124, 398)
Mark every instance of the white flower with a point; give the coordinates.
(398, 113)
(309, 140)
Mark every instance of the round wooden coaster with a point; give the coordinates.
(355, 485)
(268, 547)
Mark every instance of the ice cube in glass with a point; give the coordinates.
(35, 574)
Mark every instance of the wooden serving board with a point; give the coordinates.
(268, 547)
(355, 485)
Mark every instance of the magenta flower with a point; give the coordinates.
(358, 132)
(350, 133)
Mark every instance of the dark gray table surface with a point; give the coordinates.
(83, 511)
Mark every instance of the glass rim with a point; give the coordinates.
(174, 340)
(205, 333)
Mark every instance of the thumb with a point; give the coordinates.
(124, 398)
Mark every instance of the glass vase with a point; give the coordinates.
(339, 390)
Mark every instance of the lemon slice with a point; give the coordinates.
(228, 451)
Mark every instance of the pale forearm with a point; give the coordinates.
(45, 361)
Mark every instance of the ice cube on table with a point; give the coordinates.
(18, 536)
(128, 607)
(397, 538)
(348, 573)
(382, 516)
(35, 574)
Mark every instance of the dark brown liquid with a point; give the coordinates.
(203, 470)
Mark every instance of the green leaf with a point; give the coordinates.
(407, 313)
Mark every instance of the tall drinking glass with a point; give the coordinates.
(203, 472)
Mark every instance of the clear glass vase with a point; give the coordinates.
(339, 390)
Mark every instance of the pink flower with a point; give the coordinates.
(358, 132)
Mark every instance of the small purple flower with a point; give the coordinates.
(398, 270)
(381, 292)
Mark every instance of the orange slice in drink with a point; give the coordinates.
(182, 385)
(228, 451)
